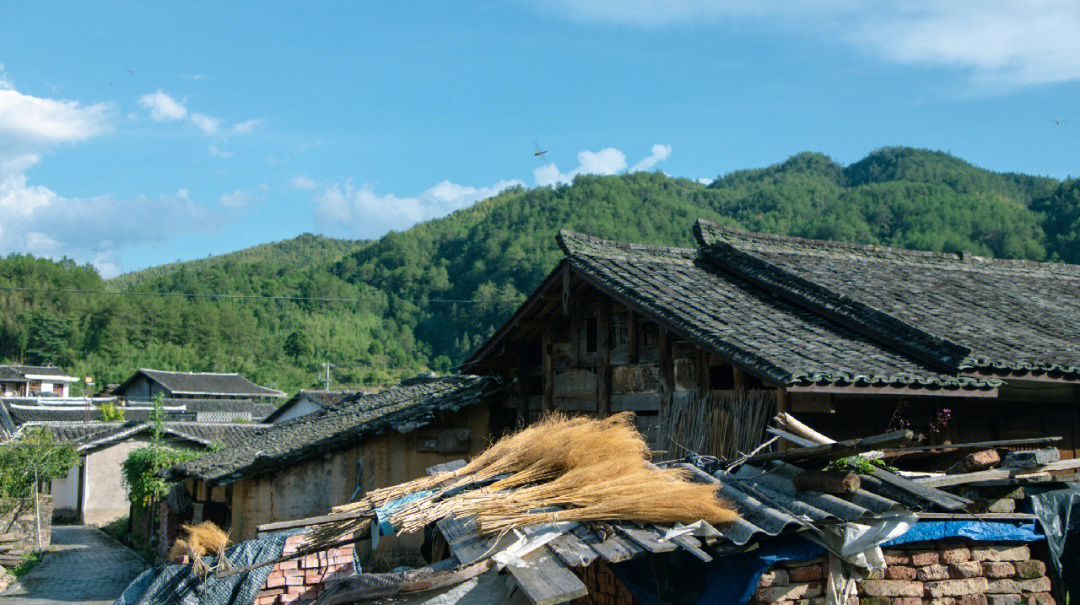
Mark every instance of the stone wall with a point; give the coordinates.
(939, 573)
(17, 518)
(300, 581)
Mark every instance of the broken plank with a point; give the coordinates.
(647, 539)
(545, 580)
(572, 550)
(978, 445)
(613, 550)
(445, 467)
(998, 473)
(693, 546)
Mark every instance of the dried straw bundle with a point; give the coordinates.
(202, 539)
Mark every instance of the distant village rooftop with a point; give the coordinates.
(191, 384)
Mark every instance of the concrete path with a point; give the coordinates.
(83, 565)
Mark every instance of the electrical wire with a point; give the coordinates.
(260, 296)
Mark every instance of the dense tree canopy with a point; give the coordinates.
(428, 296)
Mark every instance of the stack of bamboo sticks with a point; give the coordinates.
(716, 424)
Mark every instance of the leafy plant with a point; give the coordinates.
(859, 465)
(110, 412)
(141, 469)
(34, 456)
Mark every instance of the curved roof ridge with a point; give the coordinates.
(708, 233)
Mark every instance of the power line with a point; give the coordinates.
(260, 296)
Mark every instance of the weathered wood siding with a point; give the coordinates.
(314, 486)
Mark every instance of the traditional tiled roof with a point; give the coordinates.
(257, 409)
(746, 323)
(323, 399)
(404, 408)
(204, 383)
(19, 373)
(983, 313)
(22, 412)
(90, 435)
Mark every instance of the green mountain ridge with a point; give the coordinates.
(426, 297)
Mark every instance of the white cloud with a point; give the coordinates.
(218, 152)
(303, 182)
(35, 219)
(196, 76)
(346, 210)
(658, 153)
(605, 162)
(237, 199)
(163, 108)
(245, 127)
(209, 125)
(999, 45)
(705, 181)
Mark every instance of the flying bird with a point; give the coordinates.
(1058, 122)
(130, 71)
(538, 152)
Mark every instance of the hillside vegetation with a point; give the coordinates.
(426, 297)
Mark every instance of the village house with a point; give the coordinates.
(206, 396)
(34, 381)
(93, 492)
(306, 465)
(704, 344)
(306, 402)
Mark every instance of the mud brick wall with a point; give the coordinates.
(18, 526)
(301, 580)
(939, 573)
(604, 587)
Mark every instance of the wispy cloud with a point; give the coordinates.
(658, 153)
(35, 219)
(166, 108)
(237, 199)
(218, 152)
(347, 210)
(604, 162)
(303, 183)
(998, 44)
(162, 107)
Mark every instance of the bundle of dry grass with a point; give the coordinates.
(201, 540)
(597, 470)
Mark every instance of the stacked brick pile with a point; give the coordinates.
(924, 574)
(301, 580)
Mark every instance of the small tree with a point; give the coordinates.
(29, 460)
(142, 468)
(110, 412)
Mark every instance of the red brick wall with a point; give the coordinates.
(939, 573)
(604, 587)
(301, 580)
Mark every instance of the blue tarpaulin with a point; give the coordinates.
(732, 580)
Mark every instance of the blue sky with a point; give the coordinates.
(254, 122)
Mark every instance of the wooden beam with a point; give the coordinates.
(999, 473)
(632, 326)
(549, 374)
(603, 358)
(978, 445)
(839, 449)
(701, 364)
(890, 390)
(667, 370)
(575, 335)
(522, 394)
(738, 378)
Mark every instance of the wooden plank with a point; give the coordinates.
(839, 449)
(546, 581)
(572, 550)
(280, 525)
(603, 358)
(633, 344)
(799, 441)
(693, 546)
(647, 539)
(635, 402)
(943, 499)
(979, 445)
(549, 374)
(445, 467)
(1000, 473)
(667, 370)
(614, 549)
(977, 516)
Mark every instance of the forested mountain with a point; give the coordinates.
(426, 297)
